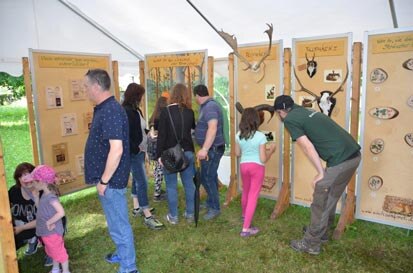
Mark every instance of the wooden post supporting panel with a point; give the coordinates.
(347, 215)
(8, 258)
(284, 197)
(142, 82)
(233, 184)
(30, 109)
(210, 76)
(115, 71)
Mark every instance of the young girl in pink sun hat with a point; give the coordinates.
(49, 225)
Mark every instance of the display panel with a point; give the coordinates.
(322, 65)
(62, 110)
(385, 183)
(253, 88)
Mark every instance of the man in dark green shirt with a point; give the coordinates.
(320, 138)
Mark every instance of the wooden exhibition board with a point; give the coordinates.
(332, 54)
(254, 88)
(164, 70)
(62, 110)
(385, 183)
(8, 258)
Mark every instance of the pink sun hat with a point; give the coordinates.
(42, 173)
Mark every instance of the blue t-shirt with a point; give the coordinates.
(210, 110)
(250, 148)
(109, 122)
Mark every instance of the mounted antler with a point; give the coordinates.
(305, 89)
(232, 42)
(340, 88)
(312, 60)
(259, 108)
(269, 33)
(311, 66)
(326, 101)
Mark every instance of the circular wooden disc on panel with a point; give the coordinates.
(375, 182)
(377, 146)
(378, 75)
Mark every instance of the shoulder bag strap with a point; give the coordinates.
(173, 126)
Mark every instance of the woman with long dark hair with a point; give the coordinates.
(183, 121)
(137, 140)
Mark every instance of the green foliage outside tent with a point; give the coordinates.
(11, 88)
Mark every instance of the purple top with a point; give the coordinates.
(45, 211)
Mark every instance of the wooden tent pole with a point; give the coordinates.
(30, 109)
(142, 82)
(211, 75)
(347, 215)
(115, 71)
(233, 184)
(284, 197)
(8, 258)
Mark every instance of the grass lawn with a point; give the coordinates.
(214, 246)
(217, 247)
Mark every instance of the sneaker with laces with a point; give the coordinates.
(171, 220)
(32, 248)
(112, 258)
(48, 261)
(323, 239)
(301, 246)
(139, 212)
(211, 214)
(153, 223)
(190, 218)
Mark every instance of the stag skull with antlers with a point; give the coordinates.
(311, 66)
(326, 101)
(255, 66)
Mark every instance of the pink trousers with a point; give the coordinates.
(252, 175)
(55, 247)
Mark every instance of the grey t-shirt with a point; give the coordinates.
(45, 211)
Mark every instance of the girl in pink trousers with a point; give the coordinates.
(251, 146)
(49, 225)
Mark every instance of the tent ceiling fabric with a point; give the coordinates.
(173, 25)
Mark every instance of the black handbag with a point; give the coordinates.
(174, 159)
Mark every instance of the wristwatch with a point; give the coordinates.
(103, 183)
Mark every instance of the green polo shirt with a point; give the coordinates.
(333, 144)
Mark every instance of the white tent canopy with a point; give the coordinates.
(129, 29)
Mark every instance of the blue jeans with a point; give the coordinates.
(209, 177)
(140, 182)
(115, 207)
(187, 177)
